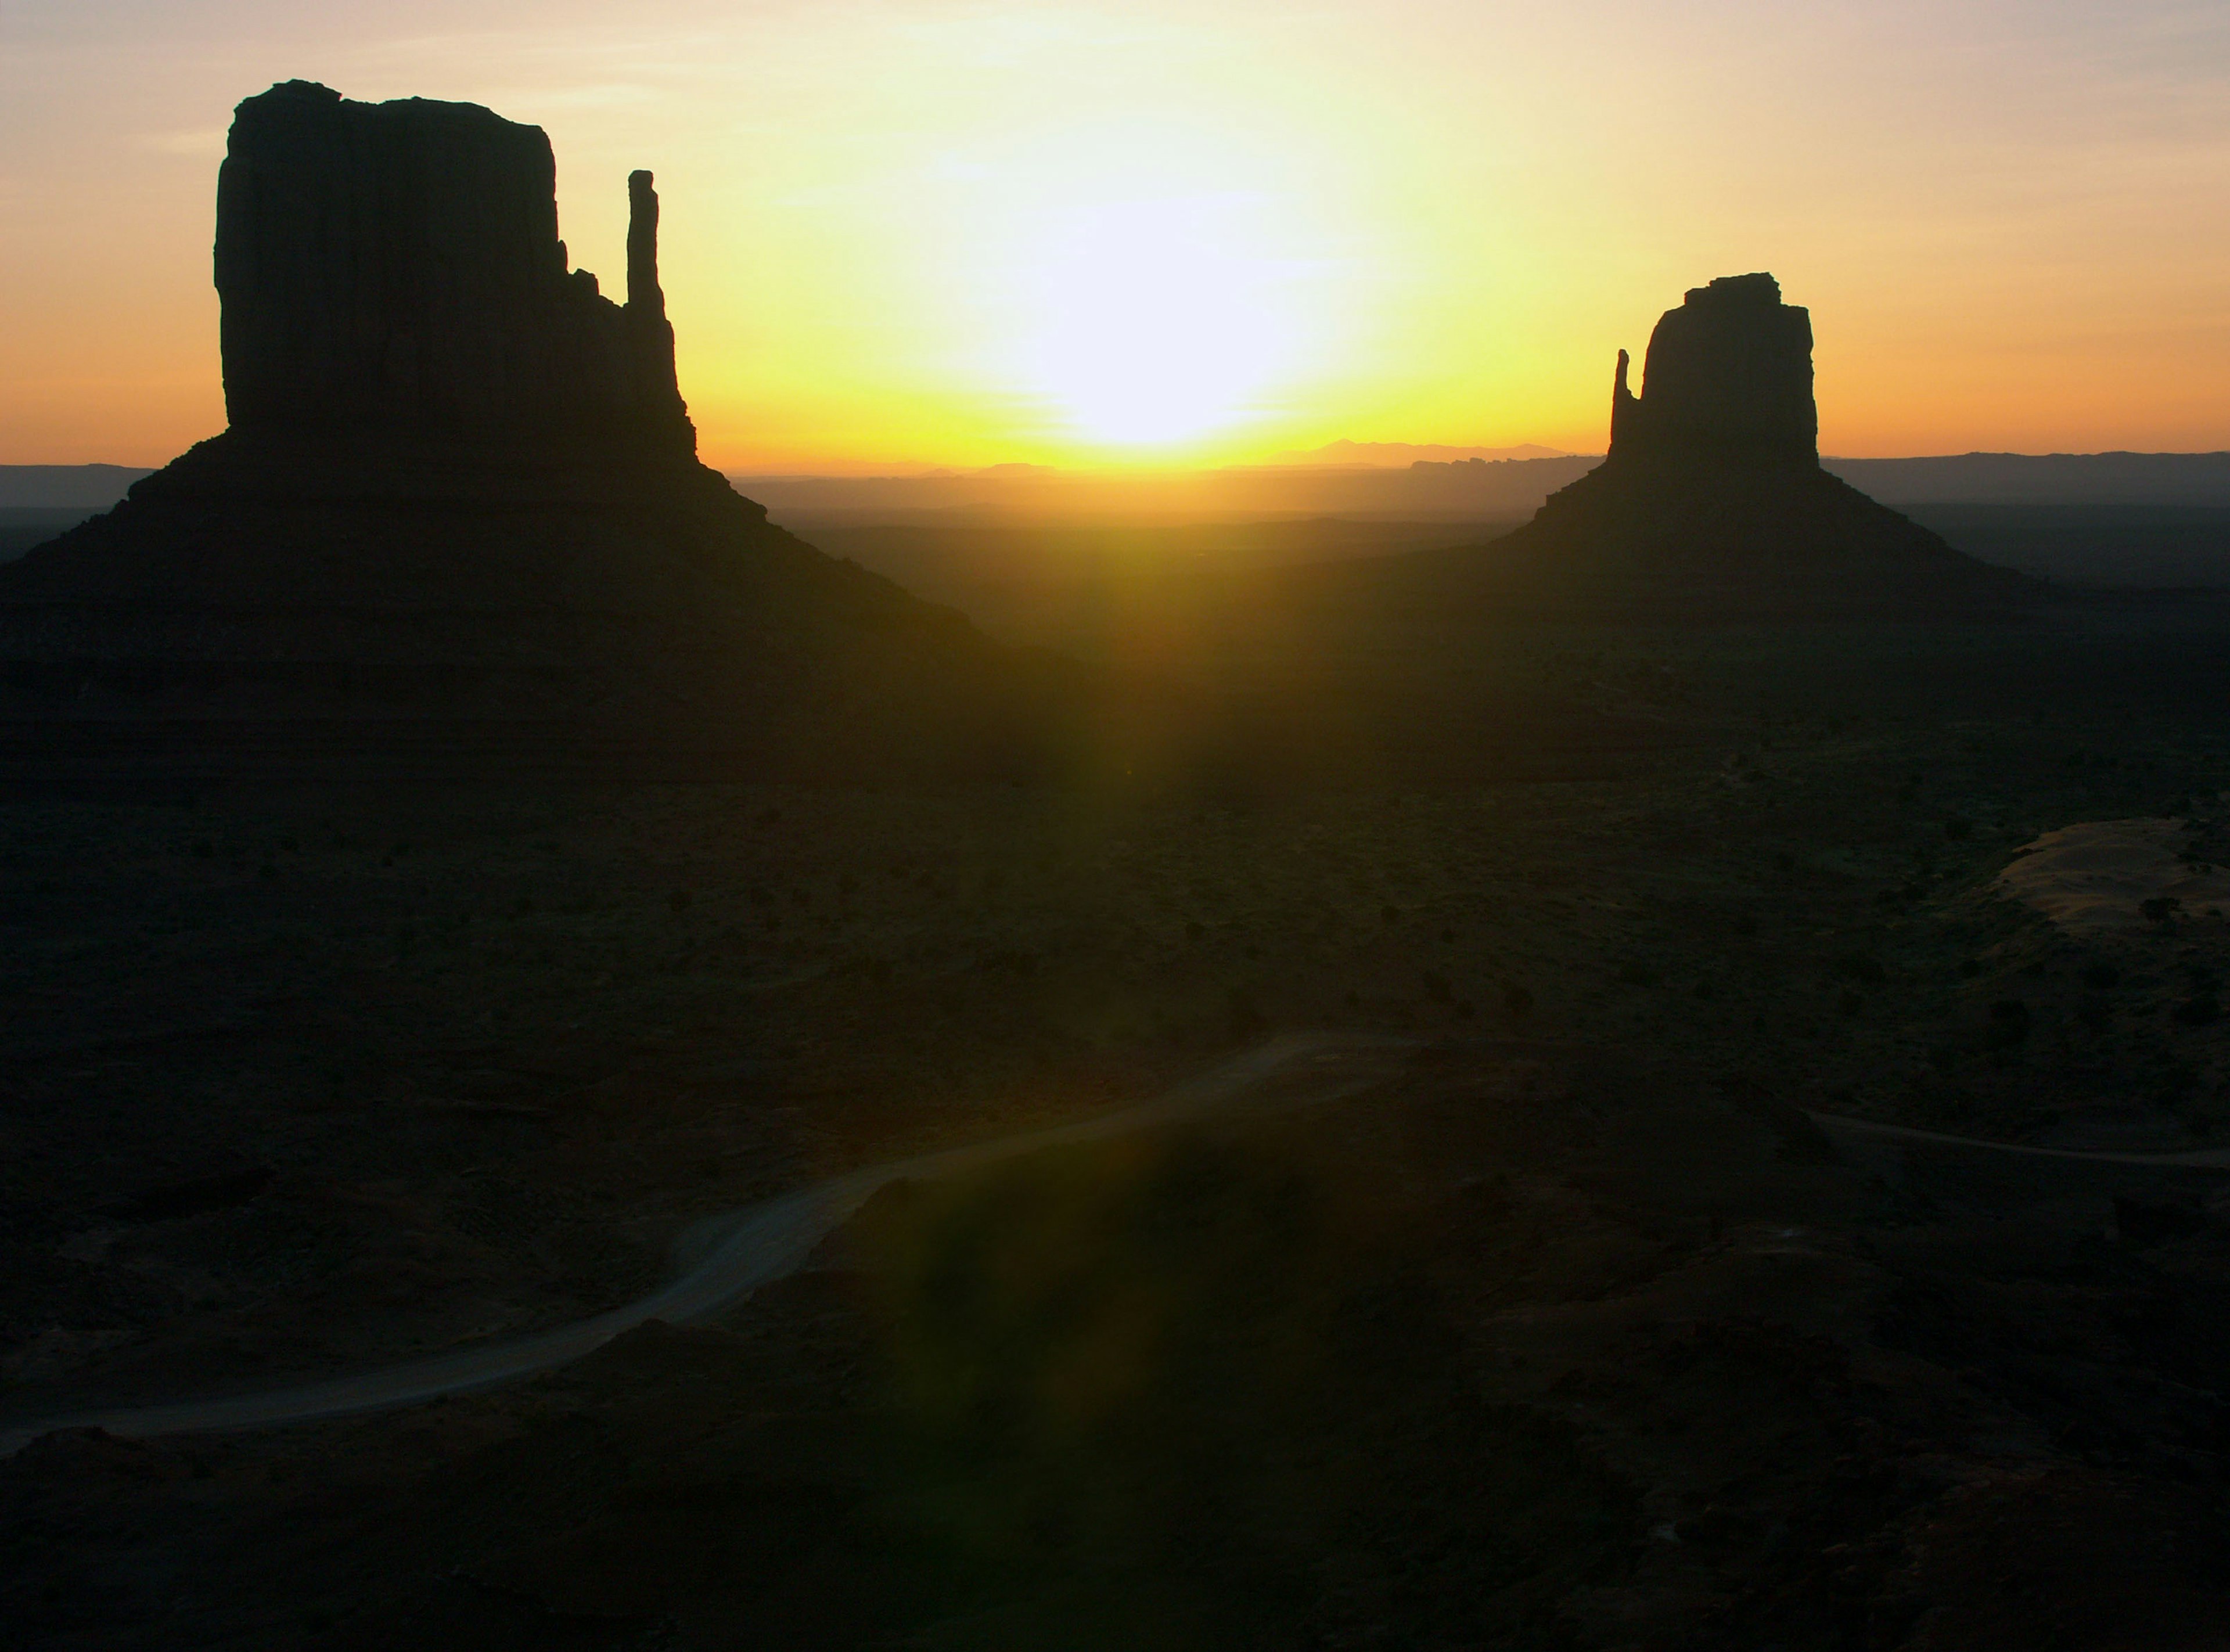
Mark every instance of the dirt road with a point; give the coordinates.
(736, 1255)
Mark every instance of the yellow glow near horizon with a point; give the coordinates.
(962, 232)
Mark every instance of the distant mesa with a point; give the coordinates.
(1712, 501)
(65, 487)
(460, 489)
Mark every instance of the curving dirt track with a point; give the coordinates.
(746, 1250)
(740, 1252)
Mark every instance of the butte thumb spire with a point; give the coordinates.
(651, 334)
(642, 288)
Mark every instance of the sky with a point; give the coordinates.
(916, 233)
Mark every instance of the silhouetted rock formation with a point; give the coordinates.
(1712, 502)
(396, 266)
(1728, 380)
(460, 486)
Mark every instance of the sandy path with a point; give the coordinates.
(745, 1250)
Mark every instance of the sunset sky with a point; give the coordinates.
(921, 233)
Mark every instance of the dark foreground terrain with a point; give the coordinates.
(1574, 1330)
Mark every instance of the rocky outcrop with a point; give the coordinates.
(395, 267)
(1728, 381)
(1712, 501)
(460, 486)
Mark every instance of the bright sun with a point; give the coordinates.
(1155, 321)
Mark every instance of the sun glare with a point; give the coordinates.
(1154, 322)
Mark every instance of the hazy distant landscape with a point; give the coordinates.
(1033, 554)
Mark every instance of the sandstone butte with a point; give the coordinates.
(457, 514)
(1711, 503)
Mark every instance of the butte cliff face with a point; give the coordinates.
(1728, 381)
(460, 489)
(1711, 502)
(395, 267)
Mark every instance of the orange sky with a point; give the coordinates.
(964, 233)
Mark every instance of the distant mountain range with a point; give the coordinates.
(1368, 478)
(2043, 478)
(1393, 455)
(66, 487)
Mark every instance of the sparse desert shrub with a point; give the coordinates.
(2101, 978)
(1636, 974)
(1437, 987)
(1517, 1000)
(1745, 925)
(2160, 908)
(1391, 914)
(678, 902)
(1958, 830)
(1861, 968)
(2095, 1014)
(1970, 968)
(1850, 1003)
